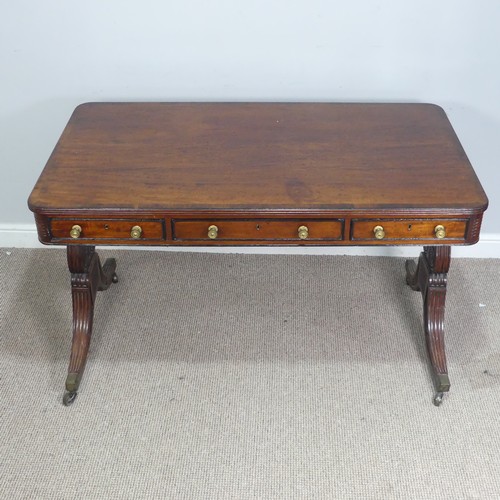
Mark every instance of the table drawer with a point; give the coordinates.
(107, 229)
(257, 230)
(408, 229)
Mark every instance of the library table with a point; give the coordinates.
(246, 174)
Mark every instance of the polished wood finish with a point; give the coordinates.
(430, 278)
(166, 162)
(87, 278)
(107, 229)
(412, 230)
(259, 230)
(258, 174)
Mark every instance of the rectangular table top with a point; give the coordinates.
(252, 156)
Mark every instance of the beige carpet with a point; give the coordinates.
(247, 377)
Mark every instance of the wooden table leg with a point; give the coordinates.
(429, 276)
(87, 278)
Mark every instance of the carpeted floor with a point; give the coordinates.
(247, 377)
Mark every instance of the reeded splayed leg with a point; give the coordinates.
(87, 278)
(429, 277)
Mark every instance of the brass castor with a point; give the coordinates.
(69, 397)
(438, 398)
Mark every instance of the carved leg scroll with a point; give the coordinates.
(430, 277)
(87, 278)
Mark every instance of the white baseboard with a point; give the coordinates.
(25, 236)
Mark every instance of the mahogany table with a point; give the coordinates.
(318, 174)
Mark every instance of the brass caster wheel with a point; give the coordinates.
(114, 278)
(69, 397)
(438, 398)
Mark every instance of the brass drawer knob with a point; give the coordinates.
(303, 232)
(379, 232)
(212, 232)
(136, 232)
(76, 231)
(440, 232)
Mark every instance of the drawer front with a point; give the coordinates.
(108, 229)
(407, 229)
(257, 230)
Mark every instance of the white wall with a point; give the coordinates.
(57, 54)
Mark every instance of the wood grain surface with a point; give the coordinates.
(249, 156)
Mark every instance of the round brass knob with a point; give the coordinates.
(136, 232)
(440, 232)
(212, 232)
(379, 232)
(303, 232)
(76, 231)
